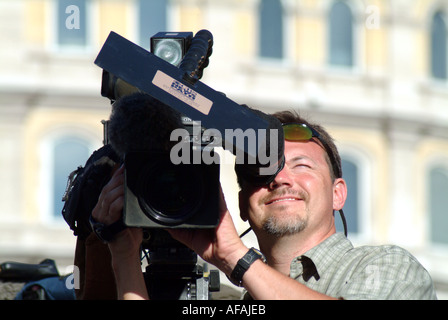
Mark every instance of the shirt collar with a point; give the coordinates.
(319, 258)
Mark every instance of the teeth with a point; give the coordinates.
(286, 199)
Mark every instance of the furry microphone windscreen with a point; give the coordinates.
(140, 123)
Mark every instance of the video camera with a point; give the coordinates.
(155, 93)
(165, 125)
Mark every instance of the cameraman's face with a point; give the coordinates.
(301, 197)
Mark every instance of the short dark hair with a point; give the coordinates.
(333, 160)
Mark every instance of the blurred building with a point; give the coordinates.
(374, 72)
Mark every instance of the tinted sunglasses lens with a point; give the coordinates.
(297, 132)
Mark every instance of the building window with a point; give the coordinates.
(271, 29)
(439, 55)
(68, 153)
(351, 207)
(152, 17)
(340, 30)
(72, 23)
(438, 205)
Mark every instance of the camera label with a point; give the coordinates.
(182, 92)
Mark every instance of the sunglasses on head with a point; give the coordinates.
(302, 132)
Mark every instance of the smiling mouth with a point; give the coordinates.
(281, 200)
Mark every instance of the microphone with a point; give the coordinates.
(140, 123)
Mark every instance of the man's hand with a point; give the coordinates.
(125, 248)
(221, 247)
(109, 209)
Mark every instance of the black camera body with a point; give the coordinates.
(158, 192)
(167, 182)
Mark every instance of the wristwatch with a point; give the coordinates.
(236, 277)
(106, 233)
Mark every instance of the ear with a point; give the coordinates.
(244, 205)
(339, 193)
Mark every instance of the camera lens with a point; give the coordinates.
(170, 194)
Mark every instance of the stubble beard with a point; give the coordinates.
(279, 225)
(284, 227)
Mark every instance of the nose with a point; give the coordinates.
(283, 178)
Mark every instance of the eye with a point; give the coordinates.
(301, 164)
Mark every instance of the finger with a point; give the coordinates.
(111, 210)
(115, 211)
(109, 195)
(116, 180)
(112, 192)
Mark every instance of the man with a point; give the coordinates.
(293, 219)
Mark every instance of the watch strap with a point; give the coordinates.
(243, 265)
(106, 233)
